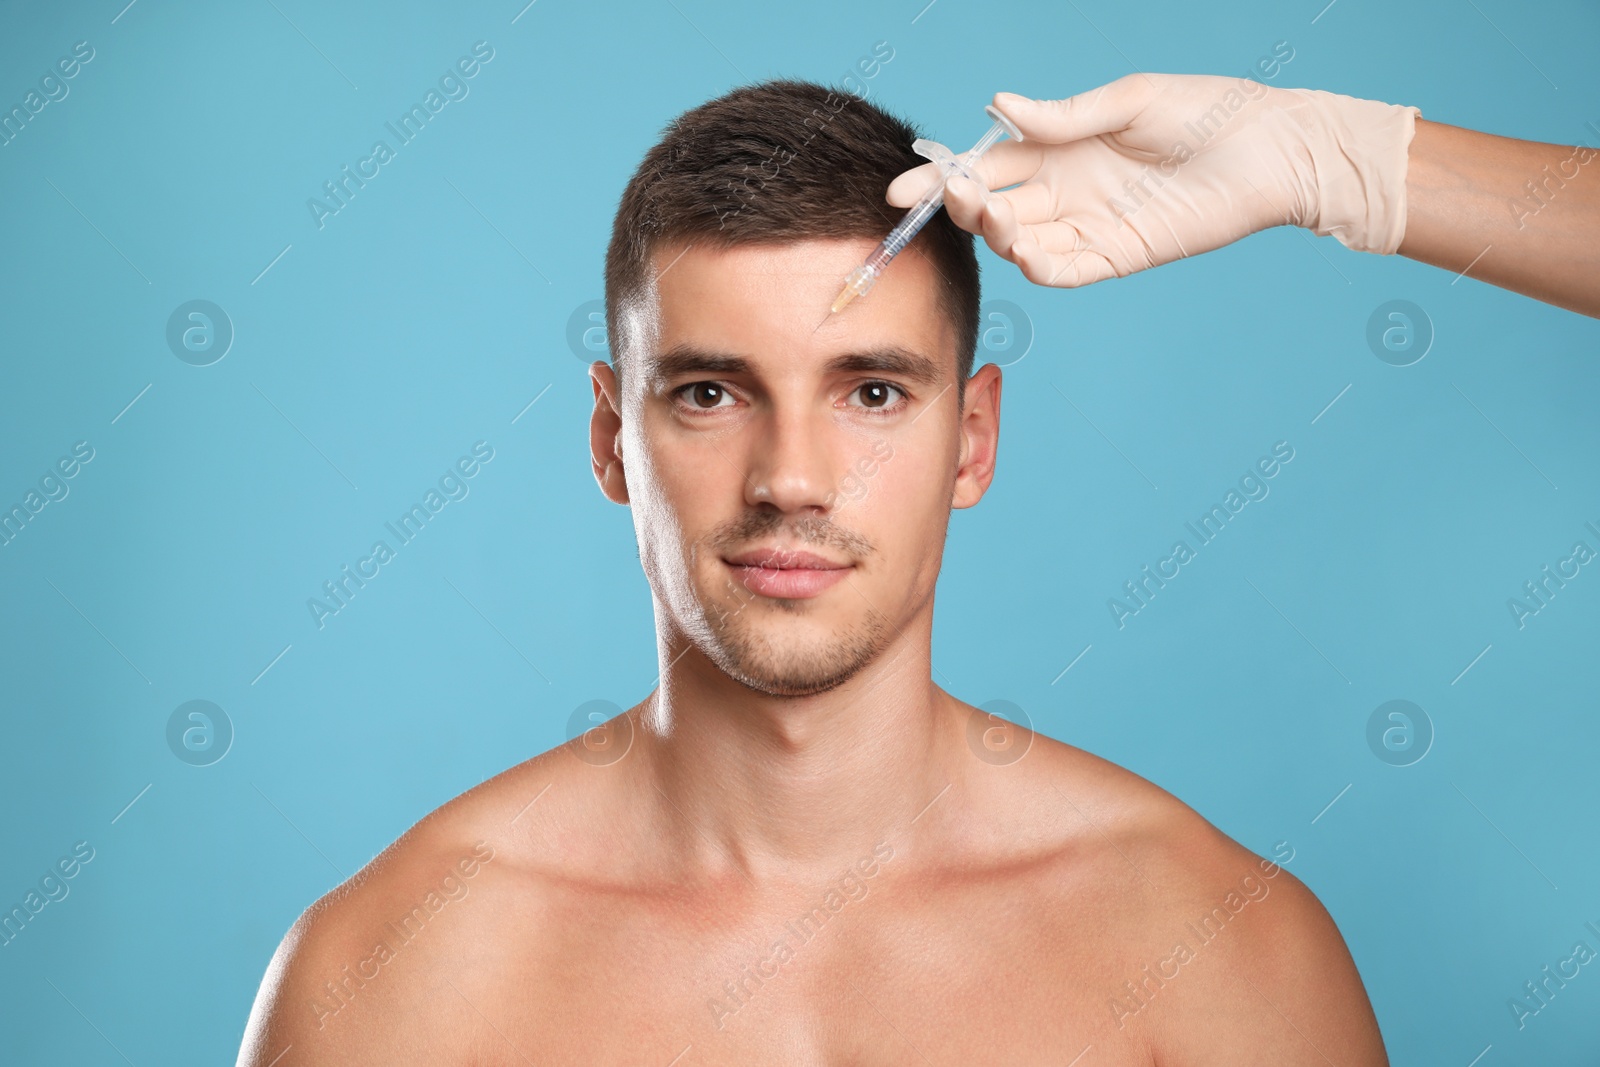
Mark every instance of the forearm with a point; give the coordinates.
(1522, 215)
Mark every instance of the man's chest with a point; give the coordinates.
(861, 983)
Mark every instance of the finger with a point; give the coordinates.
(999, 226)
(994, 221)
(1107, 109)
(964, 203)
(910, 185)
(1028, 204)
(1062, 270)
(1058, 236)
(1031, 203)
(1007, 163)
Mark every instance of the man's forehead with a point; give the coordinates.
(768, 303)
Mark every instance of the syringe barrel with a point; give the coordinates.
(909, 226)
(880, 257)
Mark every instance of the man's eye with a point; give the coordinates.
(706, 395)
(877, 395)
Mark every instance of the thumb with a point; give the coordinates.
(1110, 108)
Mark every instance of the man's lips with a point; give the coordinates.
(784, 559)
(785, 573)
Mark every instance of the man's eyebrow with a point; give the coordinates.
(688, 359)
(888, 359)
(893, 360)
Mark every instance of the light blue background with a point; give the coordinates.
(431, 310)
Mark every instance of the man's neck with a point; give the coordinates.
(794, 787)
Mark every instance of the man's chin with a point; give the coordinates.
(779, 661)
(805, 683)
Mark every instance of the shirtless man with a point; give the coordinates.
(798, 848)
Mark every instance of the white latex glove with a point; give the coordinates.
(1154, 167)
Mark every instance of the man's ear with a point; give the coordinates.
(605, 433)
(979, 429)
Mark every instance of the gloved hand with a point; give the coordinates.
(1154, 167)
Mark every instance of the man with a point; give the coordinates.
(798, 848)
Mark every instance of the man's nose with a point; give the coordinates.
(791, 463)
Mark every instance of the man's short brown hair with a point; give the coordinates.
(776, 162)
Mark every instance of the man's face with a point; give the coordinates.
(791, 485)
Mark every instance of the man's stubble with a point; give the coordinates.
(734, 640)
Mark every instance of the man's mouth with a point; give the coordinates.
(786, 574)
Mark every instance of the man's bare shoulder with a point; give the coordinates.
(1217, 950)
(1084, 809)
(371, 967)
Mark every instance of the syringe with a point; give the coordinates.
(861, 280)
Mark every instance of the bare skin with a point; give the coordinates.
(945, 888)
(1469, 208)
